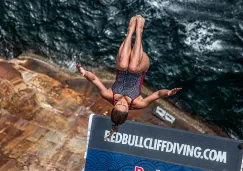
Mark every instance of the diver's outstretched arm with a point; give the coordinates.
(156, 95)
(96, 81)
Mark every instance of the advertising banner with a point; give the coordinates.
(143, 147)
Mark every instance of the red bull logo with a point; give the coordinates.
(137, 168)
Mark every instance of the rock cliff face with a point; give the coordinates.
(44, 116)
(43, 123)
(44, 120)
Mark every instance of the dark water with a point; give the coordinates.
(193, 44)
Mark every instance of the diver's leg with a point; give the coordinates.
(139, 61)
(123, 56)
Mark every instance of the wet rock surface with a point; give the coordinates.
(44, 116)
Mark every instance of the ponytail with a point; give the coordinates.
(114, 129)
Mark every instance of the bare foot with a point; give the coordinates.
(140, 23)
(132, 25)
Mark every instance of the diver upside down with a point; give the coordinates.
(131, 65)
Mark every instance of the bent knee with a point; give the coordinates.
(133, 68)
(123, 66)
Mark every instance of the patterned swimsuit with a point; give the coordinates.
(128, 84)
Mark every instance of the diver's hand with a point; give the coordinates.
(80, 69)
(173, 91)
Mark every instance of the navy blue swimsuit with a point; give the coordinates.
(128, 84)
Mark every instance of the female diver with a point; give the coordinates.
(131, 66)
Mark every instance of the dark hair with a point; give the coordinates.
(117, 117)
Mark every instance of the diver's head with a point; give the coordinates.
(121, 106)
(119, 112)
(117, 117)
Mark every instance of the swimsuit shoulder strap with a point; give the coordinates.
(113, 98)
(132, 102)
